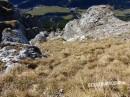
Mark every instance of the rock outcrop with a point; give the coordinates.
(14, 45)
(14, 35)
(98, 22)
(12, 53)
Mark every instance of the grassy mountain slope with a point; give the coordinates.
(69, 68)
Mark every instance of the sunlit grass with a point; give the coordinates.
(70, 66)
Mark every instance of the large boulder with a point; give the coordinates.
(97, 22)
(15, 34)
(13, 53)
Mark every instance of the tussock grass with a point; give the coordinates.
(70, 67)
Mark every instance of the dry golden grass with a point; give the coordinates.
(70, 66)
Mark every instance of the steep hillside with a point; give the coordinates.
(69, 69)
(37, 62)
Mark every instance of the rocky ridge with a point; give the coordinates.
(98, 22)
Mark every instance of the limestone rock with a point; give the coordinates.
(14, 35)
(98, 22)
(12, 53)
(41, 37)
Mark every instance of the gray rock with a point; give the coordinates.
(41, 37)
(11, 54)
(98, 22)
(14, 35)
(30, 52)
(14, 45)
